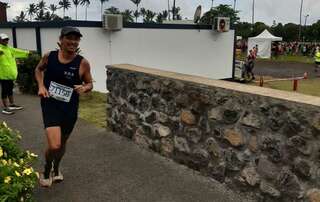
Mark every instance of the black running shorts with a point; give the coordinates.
(57, 113)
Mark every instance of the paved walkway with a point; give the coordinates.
(101, 166)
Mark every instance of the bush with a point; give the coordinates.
(17, 177)
(26, 80)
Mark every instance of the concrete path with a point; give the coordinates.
(101, 166)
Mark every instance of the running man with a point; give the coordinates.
(9, 73)
(62, 76)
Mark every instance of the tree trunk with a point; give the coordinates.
(64, 13)
(86, 12)
(174, 10)
(137, 12)
(76, 12)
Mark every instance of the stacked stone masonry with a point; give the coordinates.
(252, 143)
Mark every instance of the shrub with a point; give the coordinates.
(26, 80)
(17, 177)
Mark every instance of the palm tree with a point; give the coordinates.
(53, 8)
(136, 2)
(102, 2)
(127, 16)
(65, 4)
(143, 12)
(76, 4)
(112, 10)
(32, 9)
(159, 18)
(86, 3)
(21, 17)
(42, 5)
(41, 8)
(149, 16)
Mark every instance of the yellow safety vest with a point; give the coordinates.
(317, 56)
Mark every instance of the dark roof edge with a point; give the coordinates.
(58, 24)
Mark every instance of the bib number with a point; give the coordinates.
(60, 92)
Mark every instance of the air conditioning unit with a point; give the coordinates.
(221, 24)
(112, 22)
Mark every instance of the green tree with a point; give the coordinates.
(278, 30)
(220, 11)
(258, 28)
(65, 5)
(112, 10)
(243, 29)
(149, 17)
(41, 9)
(143, 12)
(159, 18)
(21, 17)
(31, 10)
(127, 16)
(290, 32)
(53, 8)
(136, 2)
(87, 4)
(76, 4)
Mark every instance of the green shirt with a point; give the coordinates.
(8, 65)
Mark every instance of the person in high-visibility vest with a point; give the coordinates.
(9, 72)
(317, 59)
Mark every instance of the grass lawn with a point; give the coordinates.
(308, 86)
(93, 108)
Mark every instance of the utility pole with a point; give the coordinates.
(252, 14)
(211, 4)
(300, 20)
(169, 10)
(305, 25)
(174, 10)
(234, 4)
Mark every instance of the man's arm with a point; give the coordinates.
(19, 53)
(41, 67)
(86, 76)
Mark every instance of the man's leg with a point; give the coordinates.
(54, 146)
(4, 93)
(12, 105)
(66, 129)
(60, 154)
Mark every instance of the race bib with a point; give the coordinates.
(60, 92)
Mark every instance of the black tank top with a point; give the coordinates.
(65, 74)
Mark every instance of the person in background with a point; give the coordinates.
(317, 59)
(9, 73)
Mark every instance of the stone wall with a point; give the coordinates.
(253, 139)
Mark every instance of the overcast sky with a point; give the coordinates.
(265, 10)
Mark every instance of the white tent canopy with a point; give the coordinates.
(263, 41)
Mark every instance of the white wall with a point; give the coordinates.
(26, 38)
(7, 31)
(196, 52)
(202, 53)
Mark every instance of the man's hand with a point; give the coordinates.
(32, 52)
(43, 92)
(80, 89)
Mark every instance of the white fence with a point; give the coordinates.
(198, 52)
